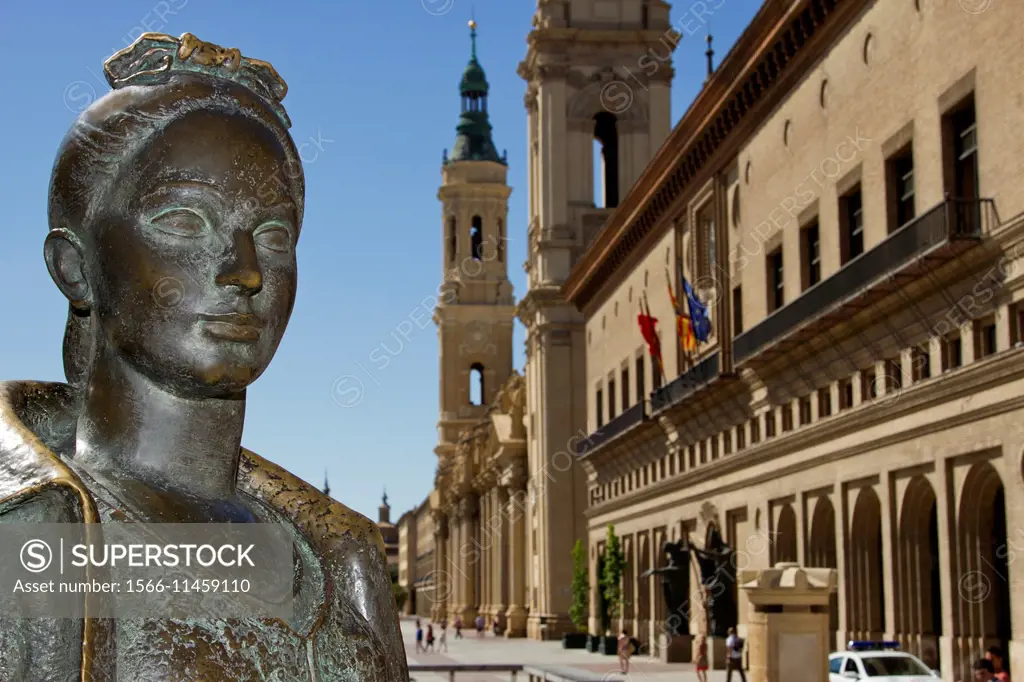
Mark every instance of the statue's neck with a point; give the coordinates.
(131, 428)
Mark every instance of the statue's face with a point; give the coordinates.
(194, 271)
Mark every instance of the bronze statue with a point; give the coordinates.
(675, 582)
(174, 209)
(718, 575)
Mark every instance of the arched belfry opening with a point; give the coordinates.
(476, 238)
(501, 241)
(606, 147)
(476, 384)
(452, 239)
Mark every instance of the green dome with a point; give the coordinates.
(473, 133)
(473, 78)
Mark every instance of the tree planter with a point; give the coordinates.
(575, 640)
(609, 646)
(593, 643)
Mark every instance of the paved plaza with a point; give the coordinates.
(491, 649)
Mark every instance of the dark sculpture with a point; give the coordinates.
(175, 205)
(675, 582)
(718, 575)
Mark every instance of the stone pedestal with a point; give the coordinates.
(675, 649)
(788, 622)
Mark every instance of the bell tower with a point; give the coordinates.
(476, 309)
(598, 75)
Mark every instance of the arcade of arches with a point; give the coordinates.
(922, 547)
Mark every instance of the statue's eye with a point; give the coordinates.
(180, 222)
(275, 237)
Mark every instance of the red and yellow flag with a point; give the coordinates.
(684, 327)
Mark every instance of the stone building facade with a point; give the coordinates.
(846, 196)
(578, 49)
(416, 559)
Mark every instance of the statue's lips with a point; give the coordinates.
(232, 326)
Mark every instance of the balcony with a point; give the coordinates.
(934, 237)
(616, 427)
(686, 384)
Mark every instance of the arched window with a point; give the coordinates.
(476, 238)
(451, 239)
(606, 138)
(476, 384)
(501, 240)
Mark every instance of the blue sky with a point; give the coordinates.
(373, 87)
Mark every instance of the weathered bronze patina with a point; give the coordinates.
(175, 205)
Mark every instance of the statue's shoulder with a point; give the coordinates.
(328, 523)
(35, 484)
(360, 627)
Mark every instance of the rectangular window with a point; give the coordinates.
(657, 374)
(625, 388)
(868, 385)
(810, 257)
(851, 223)
(706, 236)
(1016, 323)
(805, 411)
(599, 408)
(824, 402)
(952, 352)
(845, 394)
(893, 375)
(984, 337)
(755, 431)
(769, 424)
(737, 311)
(611, 398)
(920, 364)
(727, 442)
(703, 452)
(776, 291)
(899, 171)
(961, 131)
(640, 395)
(787, 418)
(741, 437)
(714, 448)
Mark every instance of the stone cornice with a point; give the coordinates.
(783, 42)
(967, 381)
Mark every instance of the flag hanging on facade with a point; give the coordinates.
(698, 311)
(649, 330)
(684, 328)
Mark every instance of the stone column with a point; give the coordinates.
(468, 560)
(788, 622)
(515, 616)
(456, 598)
(440, 593)
(499, 534)
(484, 554)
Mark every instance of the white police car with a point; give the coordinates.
(881, 661)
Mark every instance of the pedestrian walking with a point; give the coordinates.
(442, 641)
(458, 627)
(479, 626)
(734, 647)
(702, 659)
(625, 650)
(430, 638)
(419, 636)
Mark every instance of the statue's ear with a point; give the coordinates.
(65, 260)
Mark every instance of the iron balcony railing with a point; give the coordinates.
(684, 385)
(613, 429)
(949, 221)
